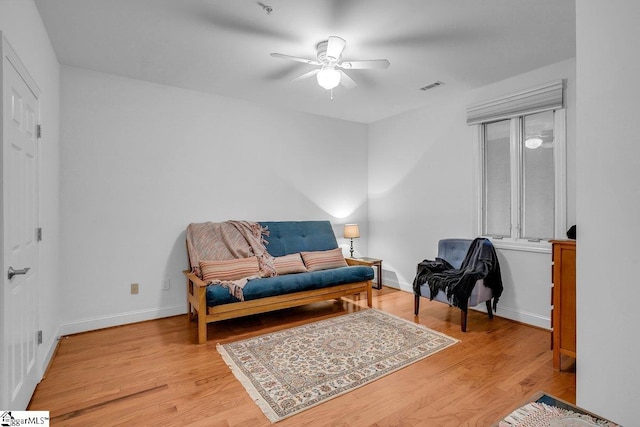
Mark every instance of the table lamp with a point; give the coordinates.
(351, 231)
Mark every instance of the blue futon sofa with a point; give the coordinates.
(211, 303)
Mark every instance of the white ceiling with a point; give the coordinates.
(223, 46)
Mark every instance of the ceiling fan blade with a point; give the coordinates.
(306, 75)
(365, 65)
(295, 58)
(347, 81)
(335, 46)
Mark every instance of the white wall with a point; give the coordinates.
(20, 23)
(608, 203)
(422, 174)
(420, 185)
(140, 161)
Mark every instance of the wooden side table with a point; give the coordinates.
(370, 262)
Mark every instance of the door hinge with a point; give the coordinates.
(39, 337)
(39, 131)
(39, 234)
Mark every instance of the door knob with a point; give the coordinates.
(13, 272)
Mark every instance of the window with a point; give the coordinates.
(518, 177)
(496, 213)
(521, 185)
(538, 183)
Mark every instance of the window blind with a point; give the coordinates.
(542, 98)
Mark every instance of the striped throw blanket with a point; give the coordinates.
(219, 241)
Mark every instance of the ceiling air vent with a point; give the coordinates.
(432, 85)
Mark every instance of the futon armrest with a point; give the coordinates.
(195, 279)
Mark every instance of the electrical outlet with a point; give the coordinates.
(134, 289)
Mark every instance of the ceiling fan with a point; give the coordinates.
(329, 59)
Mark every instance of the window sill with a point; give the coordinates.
(522, 245)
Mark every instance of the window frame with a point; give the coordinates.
(515, 241)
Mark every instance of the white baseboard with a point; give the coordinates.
(511, 313)
(532, 319)
(92, 324)
(50, 349)
(102, 322)
(397, 285)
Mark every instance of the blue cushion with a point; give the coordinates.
(290, 237)
(279, 285)
(454, 250)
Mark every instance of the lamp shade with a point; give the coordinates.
(351, 231)
(328, 77)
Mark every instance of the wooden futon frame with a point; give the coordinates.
(197, 301)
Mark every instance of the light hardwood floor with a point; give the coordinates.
(152, 373)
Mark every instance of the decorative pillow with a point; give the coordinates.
(232, 269)
(323, 260)
(289, 264)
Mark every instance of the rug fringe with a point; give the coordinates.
(248, 385)
(538, 414)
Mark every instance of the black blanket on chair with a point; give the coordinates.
(480, 262)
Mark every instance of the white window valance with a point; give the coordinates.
(542, 98)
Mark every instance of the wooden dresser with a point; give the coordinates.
(563, 299)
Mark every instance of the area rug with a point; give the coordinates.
(539, 414)
(288, 371)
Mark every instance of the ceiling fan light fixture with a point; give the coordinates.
(328, 77)
(533, 142)
(329, 59)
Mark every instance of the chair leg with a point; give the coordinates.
(416, 304)
(463, 320)
(489, 310)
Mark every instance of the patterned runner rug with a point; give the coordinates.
(295, 369)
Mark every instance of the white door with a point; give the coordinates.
(19, 305)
